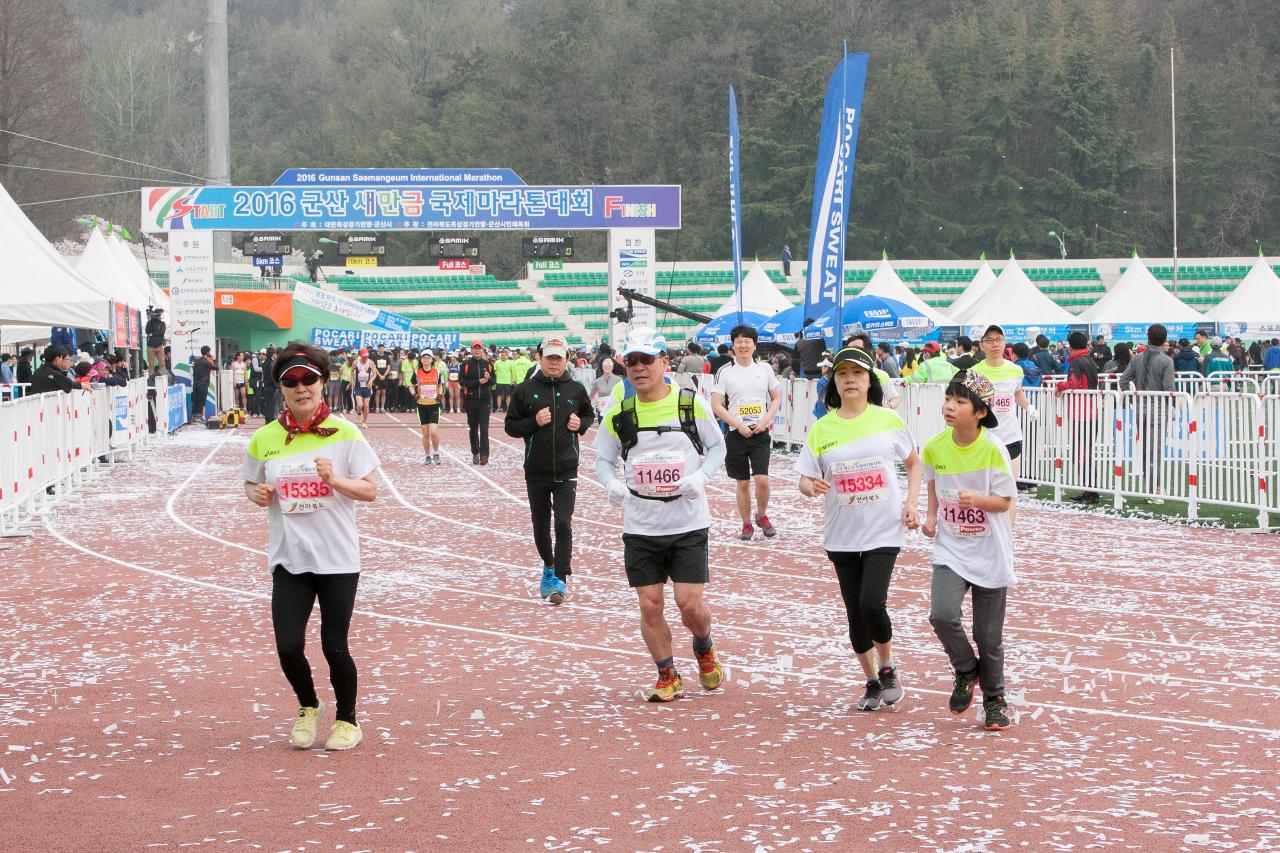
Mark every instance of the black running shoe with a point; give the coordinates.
(997, 713)
(891, 690)
(962, 692)
(871, 699)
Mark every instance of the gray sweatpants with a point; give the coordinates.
(946, 598)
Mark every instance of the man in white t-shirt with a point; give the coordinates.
(746, 396)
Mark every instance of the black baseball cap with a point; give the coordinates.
(853, 355)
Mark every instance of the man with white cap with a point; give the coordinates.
(549, 411)
(669, 445)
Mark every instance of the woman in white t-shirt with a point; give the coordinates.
(240, 381)
(850, 458)
(308, 468)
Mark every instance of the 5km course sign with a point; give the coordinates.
(405, 207)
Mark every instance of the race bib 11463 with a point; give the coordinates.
(961, 522)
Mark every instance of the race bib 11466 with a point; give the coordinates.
(658, 474)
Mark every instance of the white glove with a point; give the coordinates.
(617, 491)
(692, 486)
(1033, 413)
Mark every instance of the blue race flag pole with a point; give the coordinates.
(735, 198)
(832, 182)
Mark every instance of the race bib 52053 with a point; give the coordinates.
(750, 410)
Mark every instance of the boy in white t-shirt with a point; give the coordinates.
(971, 492)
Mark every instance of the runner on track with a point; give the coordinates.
(308, 468)
(476, 379)
(850, 457)
(1006, 377)
(363, 376)
(746, 397)
(661, 433)
(972, 489)
(550, 411)
(427, 378)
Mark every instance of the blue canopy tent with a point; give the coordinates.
(717, 331)
(883, 319)
(784, 327)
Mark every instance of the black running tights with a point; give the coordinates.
(292, 597)
(864, 585)
(545, 499)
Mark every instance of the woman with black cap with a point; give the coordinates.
(850, 458)
(308, 468)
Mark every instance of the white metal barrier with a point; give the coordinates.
(50, 444)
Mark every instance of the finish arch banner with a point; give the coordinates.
(410, 207)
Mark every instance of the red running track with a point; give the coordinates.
(143, 707)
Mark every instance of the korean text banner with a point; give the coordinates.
(735, 198)
(410, 208)
(349, 308)
(355, 338)
(829, 218)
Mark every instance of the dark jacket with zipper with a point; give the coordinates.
(551, 451)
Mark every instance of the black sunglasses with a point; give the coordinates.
(309, 379)
(639, 358)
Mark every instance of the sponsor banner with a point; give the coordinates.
(632, 262)
(176, 407)
(268, 260)
(832, 182)
(1137, 332)
(119, 417)
(476, 269)
(135, 328)
(1258, 331)
(735, 194)
(383, 177)
(549, 264)
(1027, 333)
(406, 207)
(454, 264)
(362, 261)
(349, 308)
(119, 325)
(355, 338)
(191, 305)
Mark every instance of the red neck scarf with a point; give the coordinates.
(293, 428)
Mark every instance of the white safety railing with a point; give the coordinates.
(51, 444)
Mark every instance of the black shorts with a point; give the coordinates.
(429, 414)
(745, 456)
(680, 558)
(1015, 450)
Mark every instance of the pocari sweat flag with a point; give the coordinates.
(735, 198)
(829, 220)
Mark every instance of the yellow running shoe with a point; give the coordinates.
(668, 688)
(343, 735)
(710, 672)
(304, 728)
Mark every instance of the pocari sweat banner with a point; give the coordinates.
(829, 219)
(735, 197)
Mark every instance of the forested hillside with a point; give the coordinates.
(986, 124)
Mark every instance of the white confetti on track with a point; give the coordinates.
(143, 707)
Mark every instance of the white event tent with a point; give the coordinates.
(37, 286)
(1255, 300)
(98, 262)
(759, 295)
(1012, 300)
(1138, 298)
(155, 296)
(982, 281)
(886, 284)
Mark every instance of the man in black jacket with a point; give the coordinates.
(549, 411)
(155, 330)
(965, 359)
(476, 380)
(202, 370)
(52, 374)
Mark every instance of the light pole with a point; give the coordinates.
(1061, 244)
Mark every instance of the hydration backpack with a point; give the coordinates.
(626, 423)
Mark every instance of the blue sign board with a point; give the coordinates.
(1138, 331)
(268, 260)
(383, 177)
(355, 338)
(405, 207)
(177, 406)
